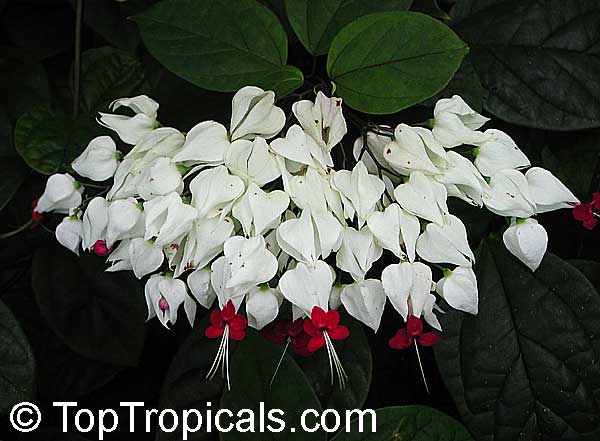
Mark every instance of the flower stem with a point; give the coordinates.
(22, 228)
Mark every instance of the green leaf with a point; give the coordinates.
(108, 74)
(48, 141)
(12, 169)
(252, 367)
(414, 423)
(16, 362)
(538, 59)
(526, 367)
(23, 84)
(355, 354)
(317, 22)
(185, 385)
(98, 314)
(385, 62)
(220, 45)
(590, 269)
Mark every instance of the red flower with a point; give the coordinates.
(100, 248)
(414, 330)
(321, 322)
(281, 331)
(227, 316)
(35, 216)
(585, 212)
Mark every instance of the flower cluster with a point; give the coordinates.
(245, 215)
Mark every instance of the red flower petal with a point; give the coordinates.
(275, 332)
(414, 326)
(311, 329)
(339, 333)
(216, 318)
(401, 340)
(332, 319)
(318, 317)
(590, 224)
(300, 345)
(429, 339)
(596, 200)
(213, 332)
(315, 343)
(583, 212)
(295, 328)
(238, 323)
(228, 311)
(237, 334)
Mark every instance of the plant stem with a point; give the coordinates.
(77, 60)
(22, 228)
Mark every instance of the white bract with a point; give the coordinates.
(244, 213)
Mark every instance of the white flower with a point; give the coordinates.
(357, 252)
(131, 129)
(200, 287)
(167, 218)
(253, 114)
(164, 295)
(446, 243)
(252, 161)
(424, 197)
(99, 160)
(300, 149)
(408, 286)
(527, 241)
(394, 227)
(376, 144)
(205, 143)
(323, 121)
(158, 179)
(204, 242)
(262, 306)
(62, 193)
(508, 195)
(161, 142)
(459, 289)
(462, 179)
(499, 152)
(360, 191)
(95, 220)
(214, 192)
(296, 237)
(365, 302)
(313, 190)
(308, 286)
(408, 152)
(139, 255)
(125, 220)
(259, 211)
(456, 123)
(547, 192)
(69, 233)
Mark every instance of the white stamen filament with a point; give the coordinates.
(421, 366)
(221, 359)
(341, 373)
(280, 361)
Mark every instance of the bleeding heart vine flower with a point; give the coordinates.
(253, 218)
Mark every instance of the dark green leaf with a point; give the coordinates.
(430, 7)
(317, 22)
(465, 83)
(538, 59)
(355, 354)
(385, 62)
(63, 374)
(186, 387)
(12, 169)
(98, 314)
(23, 84)
(108, 74)
(252, 367)
(526, 367)
(414, 423)
(590, 269)
(220, 45)
(16, 362)
(48, 141)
